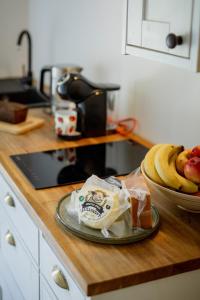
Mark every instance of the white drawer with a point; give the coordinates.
(53, 271)
(46, 292)
(19, 217)
(8, 287)
(6, 278)
(19, 261)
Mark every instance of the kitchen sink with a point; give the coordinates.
(21, 89)
(15, 90)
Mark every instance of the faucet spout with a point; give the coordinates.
(29, 78)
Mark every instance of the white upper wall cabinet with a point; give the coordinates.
(163, 30)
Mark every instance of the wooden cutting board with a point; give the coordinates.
(23, 127)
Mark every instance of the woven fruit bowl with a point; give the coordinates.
(184, 201)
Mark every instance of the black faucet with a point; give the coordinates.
(29, 78)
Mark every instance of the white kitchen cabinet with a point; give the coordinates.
(57, 277)
(164, 30)
(19, 261)
(5, 291)
(9, 289)
(19, 217)
(45, 291)
(19, 276)
(21, 254)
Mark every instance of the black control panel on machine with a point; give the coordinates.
(91, 102)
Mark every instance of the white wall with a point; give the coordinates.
(164, 99)
(13, 18)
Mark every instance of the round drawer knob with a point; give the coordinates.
(172, 40)
(9, 200)
(59, 278)
(10, 239)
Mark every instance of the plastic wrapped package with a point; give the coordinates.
(138, 193)
(98, 204)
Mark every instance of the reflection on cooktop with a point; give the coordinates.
(71, 165)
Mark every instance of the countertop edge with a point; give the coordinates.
(143, 277)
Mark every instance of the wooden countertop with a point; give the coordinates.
(100, 268)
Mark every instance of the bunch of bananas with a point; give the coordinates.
(160, 166)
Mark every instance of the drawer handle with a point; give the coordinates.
(9, 200)
(10, 239)
(59, 278)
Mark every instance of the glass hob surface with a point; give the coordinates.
(72, 165)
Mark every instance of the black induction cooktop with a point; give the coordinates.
(72, 165)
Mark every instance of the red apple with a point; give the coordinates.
(197, 194)
(192, 169)
(195, 151)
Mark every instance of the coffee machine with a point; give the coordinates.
(90, 100)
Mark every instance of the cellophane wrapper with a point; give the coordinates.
(139, 195)
(99, 205)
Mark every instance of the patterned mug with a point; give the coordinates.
(65, 122)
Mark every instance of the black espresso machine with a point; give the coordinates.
(91, 102)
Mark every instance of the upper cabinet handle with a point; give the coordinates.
(10, 238)
(172, 40)
(59, 278)
(9, 200)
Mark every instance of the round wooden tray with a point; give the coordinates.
(130, 235)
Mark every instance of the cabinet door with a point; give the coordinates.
(8, 287)
(148, 24)
(45, 291)
(57, 277)
(19, 217)
(4, 291)
(151, 21)
(20, 264)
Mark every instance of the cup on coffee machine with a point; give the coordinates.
(66, 123)
(55, 72)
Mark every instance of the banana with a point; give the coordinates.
(187, 186)
(181, 160)
(149, 166)
(162, 164)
